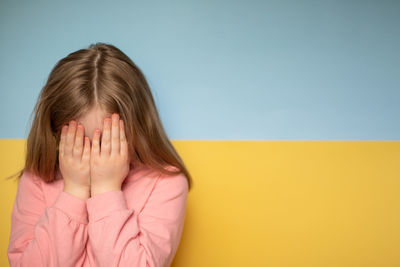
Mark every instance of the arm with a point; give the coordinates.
(123, 237)
(46, 236)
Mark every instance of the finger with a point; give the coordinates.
(105, 139)
(115, 135)
(78, 145)
(86, 150)
(95, 152)
(69, 143)
(62, 140)
(122, 137)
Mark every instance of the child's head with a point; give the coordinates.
(87, 86)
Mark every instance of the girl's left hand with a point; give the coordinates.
(109, 164)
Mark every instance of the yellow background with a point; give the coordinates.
(275, 203)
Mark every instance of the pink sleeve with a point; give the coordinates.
(123, 237)
(46, 236)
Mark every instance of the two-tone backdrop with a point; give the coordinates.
(285, 112)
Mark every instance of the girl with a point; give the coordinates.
(102, 185)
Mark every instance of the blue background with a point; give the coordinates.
(223, 70)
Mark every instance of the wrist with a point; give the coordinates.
(97, 189)
(77, 191)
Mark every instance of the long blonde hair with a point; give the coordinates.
(99, 75)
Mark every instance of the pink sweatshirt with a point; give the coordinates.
(140, 225)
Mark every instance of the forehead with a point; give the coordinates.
(94, 116)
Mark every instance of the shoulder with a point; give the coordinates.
(142, 173)
(147, 186)
(170, 188)
(176, 183)
(30, 197)
(168, 199)
(29, 181)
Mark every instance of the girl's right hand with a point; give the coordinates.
(74, 160)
